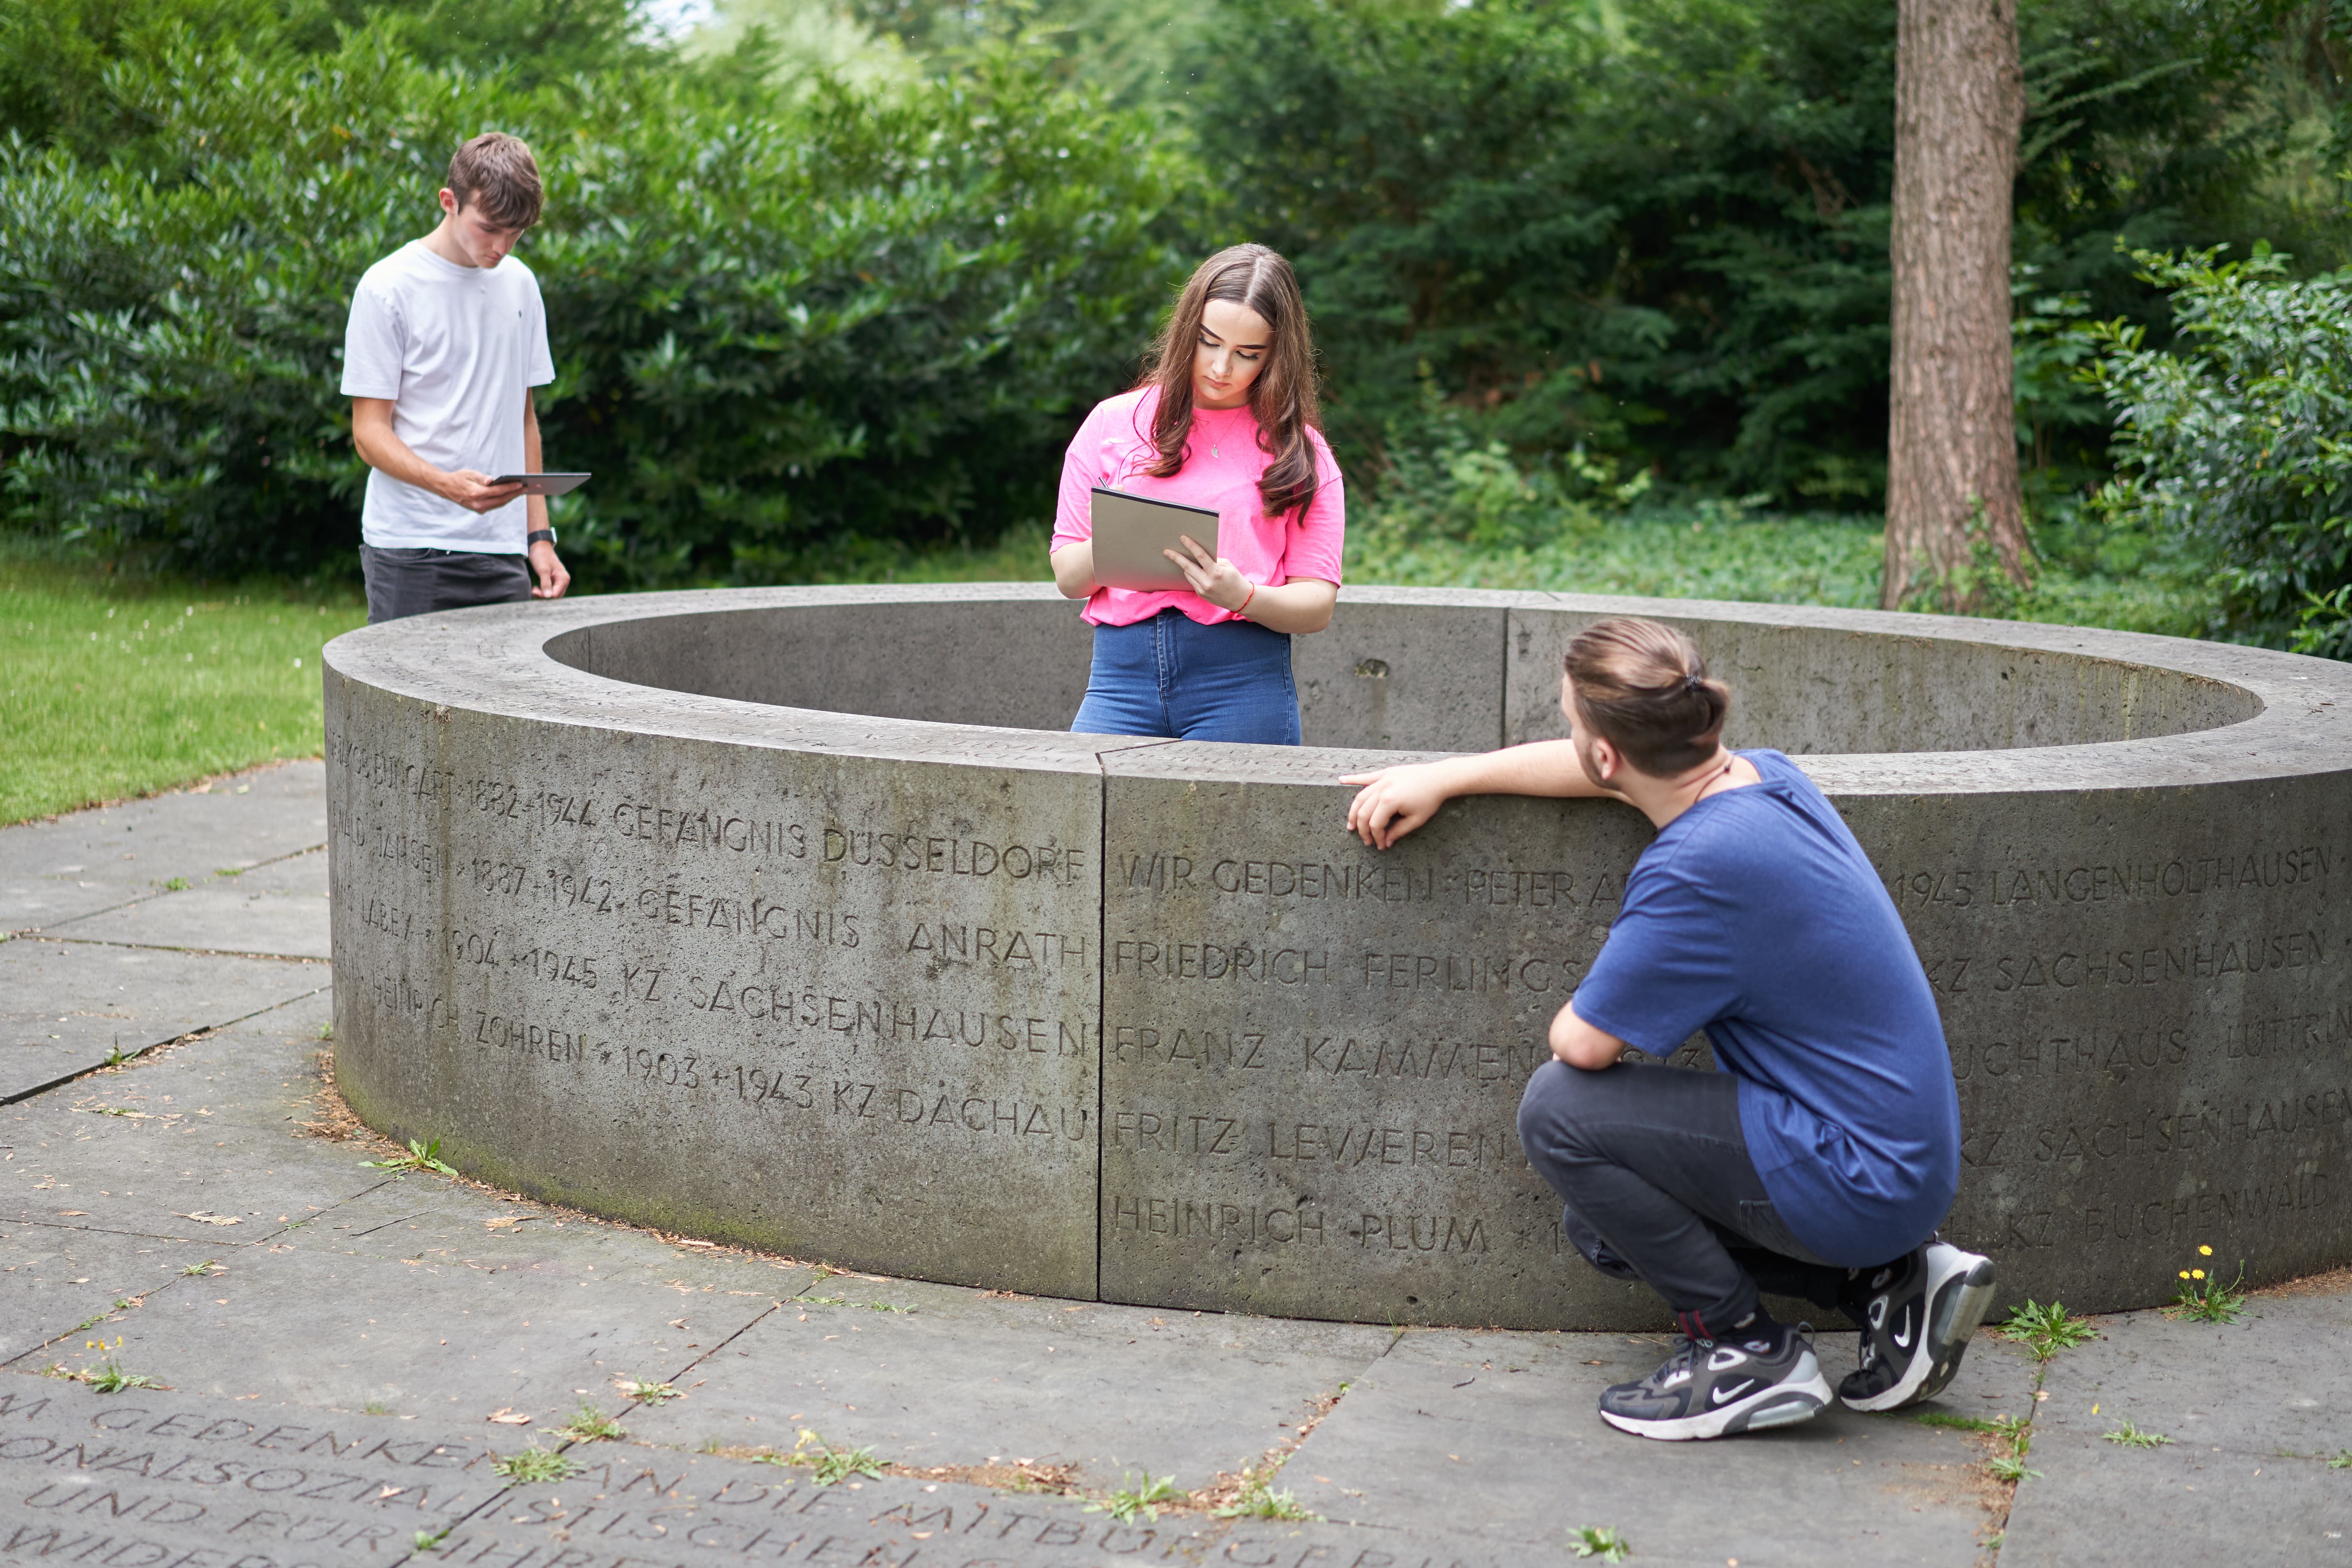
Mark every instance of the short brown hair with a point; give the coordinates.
(1644, 688)
(498, 170)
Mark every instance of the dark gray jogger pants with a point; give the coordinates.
(1654, 1169)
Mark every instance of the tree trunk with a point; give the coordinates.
(1954, 518)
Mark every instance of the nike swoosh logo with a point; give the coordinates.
(1904, 1335)
(1718, 1395)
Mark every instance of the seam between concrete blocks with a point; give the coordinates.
(1102, 935)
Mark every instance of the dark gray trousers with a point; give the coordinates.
(403, 582)
(1654, 1169)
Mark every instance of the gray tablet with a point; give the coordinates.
(543, 484)
(1131, 532)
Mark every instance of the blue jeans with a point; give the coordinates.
(1173, 677)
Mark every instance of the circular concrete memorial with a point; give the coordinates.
(791, 917)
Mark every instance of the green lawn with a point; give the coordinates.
(110, 689)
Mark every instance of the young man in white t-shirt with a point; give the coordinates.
(447, 337)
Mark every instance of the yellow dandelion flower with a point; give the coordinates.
(2204, 1252)
(2184, 1274)
(2196, 1274)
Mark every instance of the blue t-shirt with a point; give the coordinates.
(1756, 916)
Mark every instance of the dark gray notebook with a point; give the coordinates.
(543, 484)
(1131, 532)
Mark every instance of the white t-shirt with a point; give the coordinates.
(456, 350)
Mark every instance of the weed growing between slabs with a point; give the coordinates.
(107, 1377)
(2014, 1439)
(1259, 1500)
(420, 1157)
(2204, 1298)
(832, 1465)
(1141, 1501)
(2130, 1436)
(526, 1466)
(2046, 1330)
(590, 1425)
(1601, 1542)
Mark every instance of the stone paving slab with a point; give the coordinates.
(2253, 1409)
(1499, 1430)
(202, 1129)
(74, 866)
(150, 1476)
(712, 1510)
(1109, 1390)
(2096, 1505)
(59, 1281)
(277, 909)
(67, 1006)
(457, 1340)
(2190, 1381)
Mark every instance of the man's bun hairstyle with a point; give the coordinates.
(1644, 688)
(497, 173)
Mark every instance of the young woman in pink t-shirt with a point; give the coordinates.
(1224, 420)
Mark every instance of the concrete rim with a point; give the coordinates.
(504, 651)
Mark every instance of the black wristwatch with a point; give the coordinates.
(536, 534)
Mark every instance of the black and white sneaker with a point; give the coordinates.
(1713, 1388)
(1917, 1315)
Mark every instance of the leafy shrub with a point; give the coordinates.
(2236, 438)
(775, 328)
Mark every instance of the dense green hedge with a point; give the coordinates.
(776, 332)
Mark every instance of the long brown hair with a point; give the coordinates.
(1644, 688)
(1282, 395)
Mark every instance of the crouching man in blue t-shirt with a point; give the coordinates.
(1819, 1160)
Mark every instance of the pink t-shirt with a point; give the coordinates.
(1222, 464)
